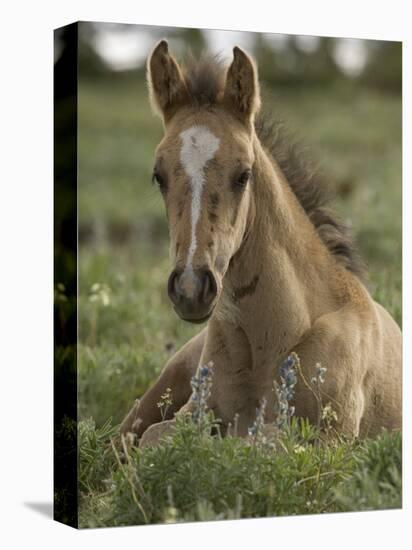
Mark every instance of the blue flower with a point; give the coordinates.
(201, 384)
(204, 371)
(290, 361)
(286, 389)
(290, 378)
(319, 377)
(256, 429)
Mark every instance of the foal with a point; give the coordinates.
(257, 256)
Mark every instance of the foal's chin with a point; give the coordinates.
(194, 318)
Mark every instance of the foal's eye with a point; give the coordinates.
(159, 181)
(243, 178)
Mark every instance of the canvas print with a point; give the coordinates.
(227, 275)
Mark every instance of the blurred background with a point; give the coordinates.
(341, 97)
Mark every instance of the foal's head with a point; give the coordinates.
(203, 168)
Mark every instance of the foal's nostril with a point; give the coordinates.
(209, 287)
(173, 287)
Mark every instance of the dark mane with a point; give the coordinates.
(204, 80)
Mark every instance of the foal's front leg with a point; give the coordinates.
(329, 343)
(176, 375)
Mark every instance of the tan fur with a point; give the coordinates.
(279, 287)
(166, 86)
(241, 93)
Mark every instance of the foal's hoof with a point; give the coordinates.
(155, 433)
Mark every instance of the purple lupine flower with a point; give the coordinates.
(286, 390)
(201, 384)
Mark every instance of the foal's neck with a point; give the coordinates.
(281, 279)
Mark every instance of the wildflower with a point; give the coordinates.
(319, 377)
(201, 387)
(204, 371)
(252, 430)
(285, 391)
(165, 402)
(100, 293)
(328, 416)
(256, 430)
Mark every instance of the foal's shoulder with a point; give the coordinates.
(351, 293)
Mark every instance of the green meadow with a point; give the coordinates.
(127, 329)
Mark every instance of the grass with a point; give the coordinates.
(193, 476)
(127, 329)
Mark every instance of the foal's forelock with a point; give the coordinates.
(199, 146)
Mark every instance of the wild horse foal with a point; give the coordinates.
(257, 255)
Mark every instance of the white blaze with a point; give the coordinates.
(199, 146)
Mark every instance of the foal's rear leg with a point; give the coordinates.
(176, 375)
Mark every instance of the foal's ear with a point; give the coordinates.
(166, 84)
(241, 92)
